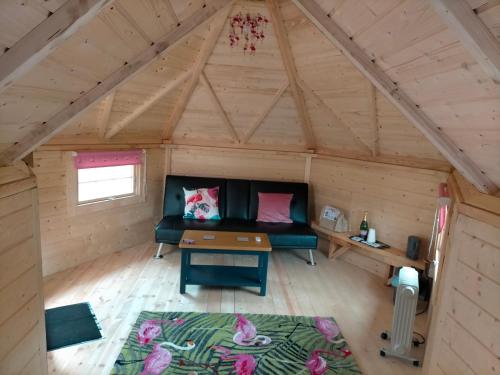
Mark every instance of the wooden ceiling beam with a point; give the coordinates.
(139, 110)
(105, 114)
(396, 96)
(291, 71)
(260, 119)
(207, 48)
(48, 129)
(219, 107)
(401, 160)
(334, 115)
(473, 33)
(46, 37)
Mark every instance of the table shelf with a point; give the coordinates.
(340, 243)
(223, 276)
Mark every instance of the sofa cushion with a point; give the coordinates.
(202, 204)
(173, 202)
(274, 208)
(170, 228)
(281, 235)
(238, 195)
(298, 206)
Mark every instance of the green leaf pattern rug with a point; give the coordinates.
(203, 343)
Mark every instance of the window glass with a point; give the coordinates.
(105, 182)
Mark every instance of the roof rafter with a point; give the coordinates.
(205, 52)
(396, 96)
(46, 37)
(116, 127)
(219, 106)
(335, 115)
(473, 33)
(46, 130)
(291, 71)
(260, 119)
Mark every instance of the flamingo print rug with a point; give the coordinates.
(237, 344)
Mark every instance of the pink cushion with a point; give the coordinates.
(274, 208)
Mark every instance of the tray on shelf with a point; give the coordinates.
(376, 244)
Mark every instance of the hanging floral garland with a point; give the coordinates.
(248, 28)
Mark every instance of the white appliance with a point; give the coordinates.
(405, 308)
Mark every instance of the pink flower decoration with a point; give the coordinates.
(156, 361)
(245, 364)
(148, 331)
(316, 364)
(213, 193)
(327, 328)
(245, 328)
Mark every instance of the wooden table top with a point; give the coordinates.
(225, 241)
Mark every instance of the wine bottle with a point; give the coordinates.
(363, 228)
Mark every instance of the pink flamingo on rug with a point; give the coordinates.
(150, 329)
(246, 333)
(244, 364)
(156, 361)
(317, 365)
(328, 329)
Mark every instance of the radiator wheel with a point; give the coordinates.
(382, 353)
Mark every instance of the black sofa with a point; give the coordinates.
(238, 205)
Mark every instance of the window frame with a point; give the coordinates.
(76, 207)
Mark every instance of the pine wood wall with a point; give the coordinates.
(465, 330)
(271, 165)
(400, 201)
(22, 324)
(71, 236)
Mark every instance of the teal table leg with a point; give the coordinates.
(263, 260)
(185, 260)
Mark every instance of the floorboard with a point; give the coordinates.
(122, 284)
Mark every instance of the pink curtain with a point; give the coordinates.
(443, 209)
(95, 159)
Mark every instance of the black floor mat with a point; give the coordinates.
(70, 325)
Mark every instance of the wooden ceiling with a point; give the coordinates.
(431, 88)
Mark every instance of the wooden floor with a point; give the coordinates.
(122, 284)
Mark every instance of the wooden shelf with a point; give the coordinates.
(340, 243)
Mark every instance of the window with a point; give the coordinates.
(95, 184)
(108, 176)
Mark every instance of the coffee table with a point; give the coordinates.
(196, 241)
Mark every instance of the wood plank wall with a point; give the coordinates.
(464, 334)
(22, 324)
(70, 237)
(271, 165)
(400, 200)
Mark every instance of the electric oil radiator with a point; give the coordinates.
(401, 336)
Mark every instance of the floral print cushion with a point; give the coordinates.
(202, 204)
